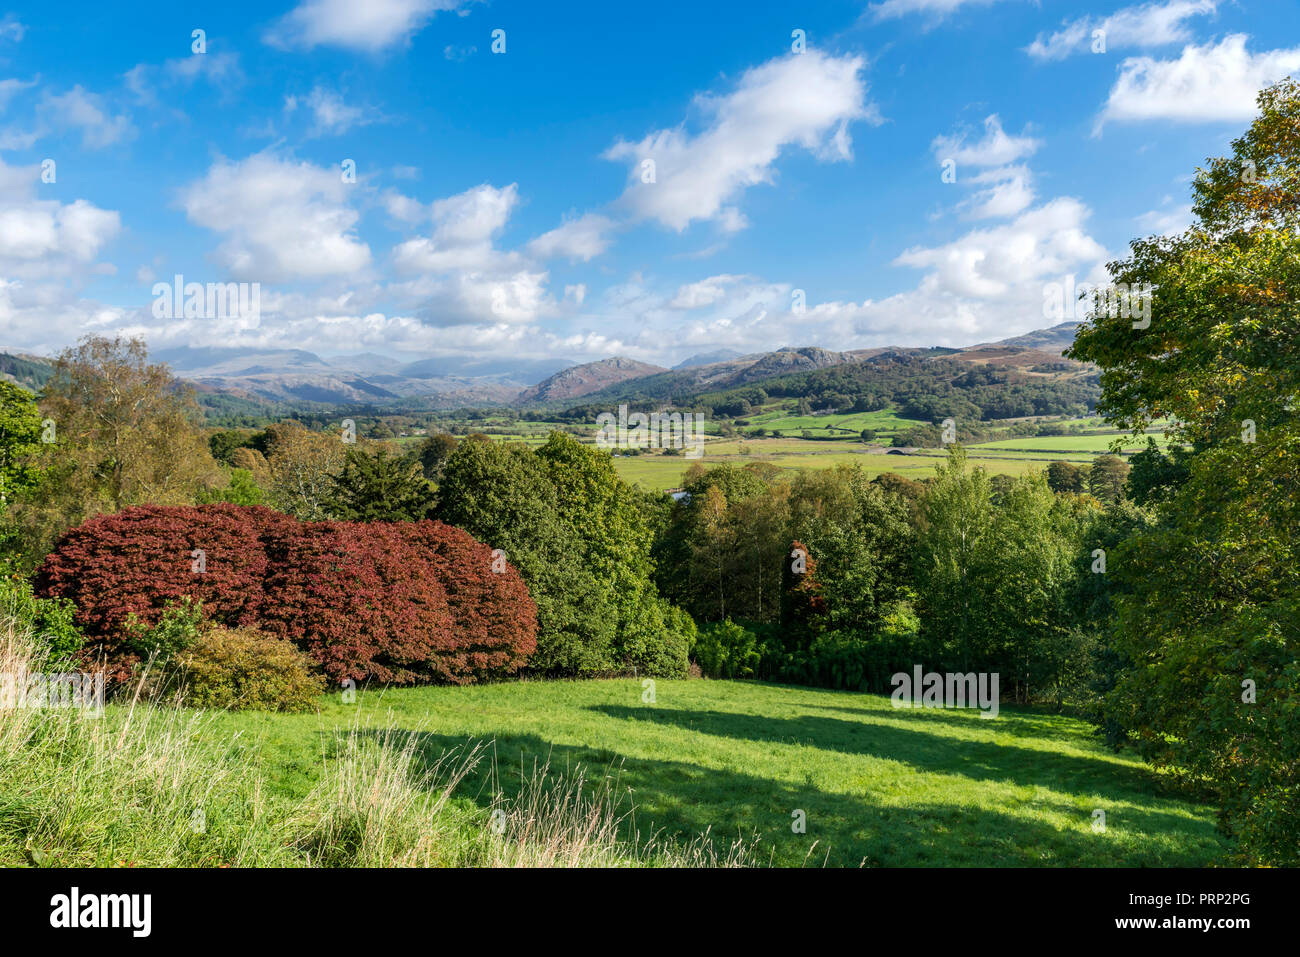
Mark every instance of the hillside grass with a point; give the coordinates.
(735, 760)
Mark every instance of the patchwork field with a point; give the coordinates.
(878, 786)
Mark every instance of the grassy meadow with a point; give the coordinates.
(880, 786)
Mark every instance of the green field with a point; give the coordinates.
(878, 786)
(659, 472)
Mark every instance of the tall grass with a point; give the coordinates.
(151, 784)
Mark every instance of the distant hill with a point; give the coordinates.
(30, 372)
(708, 358)
(1056, 339)
(587, 378)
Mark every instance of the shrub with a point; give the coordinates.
(176, 630)
(400, 602)
(52, 620)
(727, 650)
(240, 668)
(495, 619)
(135, 563)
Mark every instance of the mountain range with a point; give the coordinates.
(296, 375)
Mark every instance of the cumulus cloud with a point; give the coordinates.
(1007, 186)
(459, 274)
(368, 27)
(45, 238)
(282, 219)
(1148, 25)
(81, 110)
(583, 238)
(805, 100)
(1210, 83)
(995, 149)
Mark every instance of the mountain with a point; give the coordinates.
(296, 375)
(587, 378)
(30, 372)
(708, 358)
(1056, 339)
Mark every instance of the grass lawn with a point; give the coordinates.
(879, 786)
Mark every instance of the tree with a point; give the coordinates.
(433, 454)
(1066, 477)
(501, 493)
(1208, 597)
(20, 440)
(299, 465)
(126, 432)
(375, 486)
(957, 519)
(1106, 478)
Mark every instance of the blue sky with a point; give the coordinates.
(499, 207)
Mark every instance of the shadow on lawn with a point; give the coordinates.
(918, 747)
(683, 800)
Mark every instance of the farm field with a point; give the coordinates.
(879, 786)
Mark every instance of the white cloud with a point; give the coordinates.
(583, 238)
(1007, 185)
(1009, 193)
(1211, 83)
(1166, 222)
(11, 28)
(464, 227)
(934, 9)
(282, 219)
(706, 292)
(995, 149)
(804, 100)
(1149, 25)
(330, 115)
(460, 275)
(45, 238)
(79, 109)
(370, 26)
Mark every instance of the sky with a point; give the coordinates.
(531, 180)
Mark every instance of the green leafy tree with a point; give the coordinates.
(20, 440)
(377, 486)
(1208, 598)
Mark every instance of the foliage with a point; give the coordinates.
(20, 435)
(375, 486)
(580, 538)
(127, 432)
(1207, 596)
(399, 602)
(176, 630)
(52, 620)
(240, 668)
(726, 649)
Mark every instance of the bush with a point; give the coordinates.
(133, 564)
(240, 668)
(399, 602)
(175, 631)
(52, 620)
(727, 650)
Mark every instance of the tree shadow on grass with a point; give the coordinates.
(681, 800)
(922, 749)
